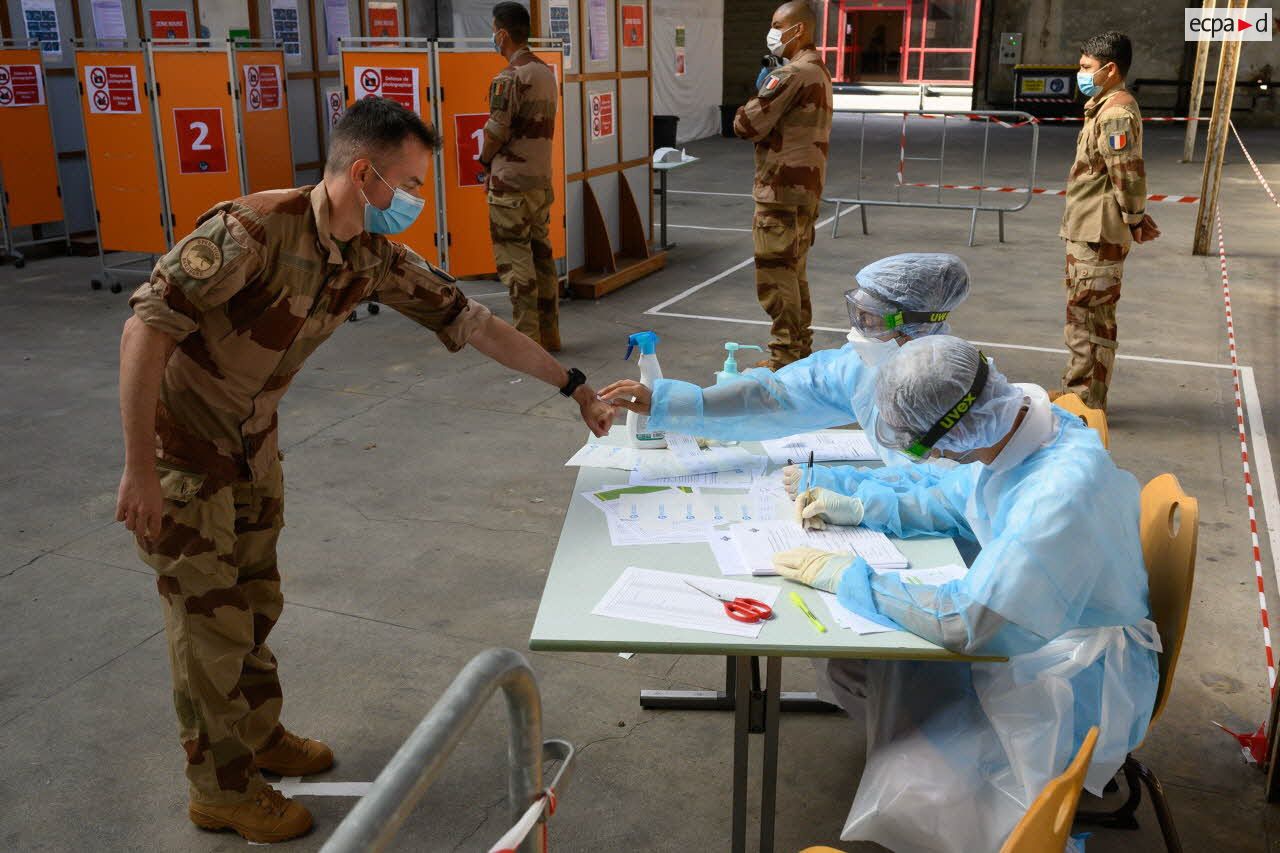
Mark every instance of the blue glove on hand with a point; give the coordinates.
(819, 569)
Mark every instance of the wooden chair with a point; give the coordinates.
(1046, 826)
(1094, 418)
(1169, 529)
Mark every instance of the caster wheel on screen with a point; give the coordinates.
(95, 284)
(116, 287)
(374, 308)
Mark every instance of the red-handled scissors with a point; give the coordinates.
(740, 609)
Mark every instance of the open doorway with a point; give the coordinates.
(873, 45)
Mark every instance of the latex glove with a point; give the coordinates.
(628, 394)
(819, 569)
(817, 508)
(796, 478)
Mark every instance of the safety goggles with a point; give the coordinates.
(918, 447)
(872, 315)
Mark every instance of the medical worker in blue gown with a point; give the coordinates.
(895, 300)
(957, 752)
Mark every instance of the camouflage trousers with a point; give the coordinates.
(1093, 276)
(518, 228)
(215, 560)
(782, 234)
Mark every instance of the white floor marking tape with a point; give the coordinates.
(706, 192)
(293, 786)
(1262, 463)
(702, 227)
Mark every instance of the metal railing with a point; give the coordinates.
(1001, 118)
(376, 819)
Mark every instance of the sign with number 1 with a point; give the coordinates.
(469, 129)
(201, 146)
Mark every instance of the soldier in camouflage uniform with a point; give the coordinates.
(517, 156)
(217, 335)
(789, 120)
(1106, 199)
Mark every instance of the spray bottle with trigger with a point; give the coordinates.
(730, 370)
(638, 432)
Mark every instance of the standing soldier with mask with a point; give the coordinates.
(517, 156)
(789, 120)
(1106, 200)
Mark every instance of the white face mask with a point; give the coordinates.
(774, 39)
(872, 351)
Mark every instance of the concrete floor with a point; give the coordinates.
(426, 493)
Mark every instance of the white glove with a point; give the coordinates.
(819, 569)
(791, 479)
(817, 508)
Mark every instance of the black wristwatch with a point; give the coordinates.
(576, 378)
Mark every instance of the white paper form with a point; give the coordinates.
(604, 456)
(846, 618)
(845, 445)
(665, 598)
(655, 515)
(737, 477)
(760, 541)
(655, 463)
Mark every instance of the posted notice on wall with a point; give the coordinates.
(469, 138)
(111, 89)
(108, 21)
(560, 29)
(202, 148)
(337, 24)
(601, 115)
(169, 24)
(284, 28)
(679, 55)
(632, 26)
(384, 19)
(21, 86)
(41, 17)
(334, 105)
(262, 88)
(394, 84)
(598, 28)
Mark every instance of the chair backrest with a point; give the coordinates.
(1169, 530)
(1094, 418)
(1047, 824)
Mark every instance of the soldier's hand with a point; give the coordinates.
(1145, 231)
(596, 413)
(140, 503)
(628, 394)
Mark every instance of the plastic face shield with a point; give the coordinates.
(876, 317)
(918, 447)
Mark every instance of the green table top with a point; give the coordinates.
(586, 565)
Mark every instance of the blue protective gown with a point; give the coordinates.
(829, 388)
(1059, 587)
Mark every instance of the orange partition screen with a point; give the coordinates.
(465, 78)
(264, 119)
(402, 76)
(197, 132)
(116, 107)
(28, 162)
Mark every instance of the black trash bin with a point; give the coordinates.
(664, 131)
(727, 112)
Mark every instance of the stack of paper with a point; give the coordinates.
(665, 598)
(604, 456)
(657, 515)
(683, 459)
(756, 543)
(845, 445)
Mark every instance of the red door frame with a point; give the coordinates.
(848, 7)
(910, 52)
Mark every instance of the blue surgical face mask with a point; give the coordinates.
(398, 216)
(497, 47)
(1084, 82)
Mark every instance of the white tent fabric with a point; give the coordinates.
(694, 97)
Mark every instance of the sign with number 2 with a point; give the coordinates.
(201, 146)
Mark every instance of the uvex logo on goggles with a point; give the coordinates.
(901, 318)
(921, 446)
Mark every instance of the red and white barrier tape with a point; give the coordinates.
(517, 834)
(1244, 456)
(1266, 186)
(902, 149)
(1176, 199)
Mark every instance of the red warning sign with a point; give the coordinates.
(21, 86)
(601, 115)
(169, 24)
(394, 84)
(111, 88)
(633, 26)
(201, 146)
(262, 87)
(469, 130)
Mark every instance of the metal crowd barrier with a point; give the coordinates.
(376, 819)
(1003, 118)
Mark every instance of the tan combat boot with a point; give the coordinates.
(268, 817)
(294, 756)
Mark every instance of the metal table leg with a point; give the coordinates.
(662, 210)
(741, 746)
(769, 778)
(716, 700)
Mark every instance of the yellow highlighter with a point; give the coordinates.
(813, 620)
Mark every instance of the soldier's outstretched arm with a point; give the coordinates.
(144, 352)
(501, 341)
